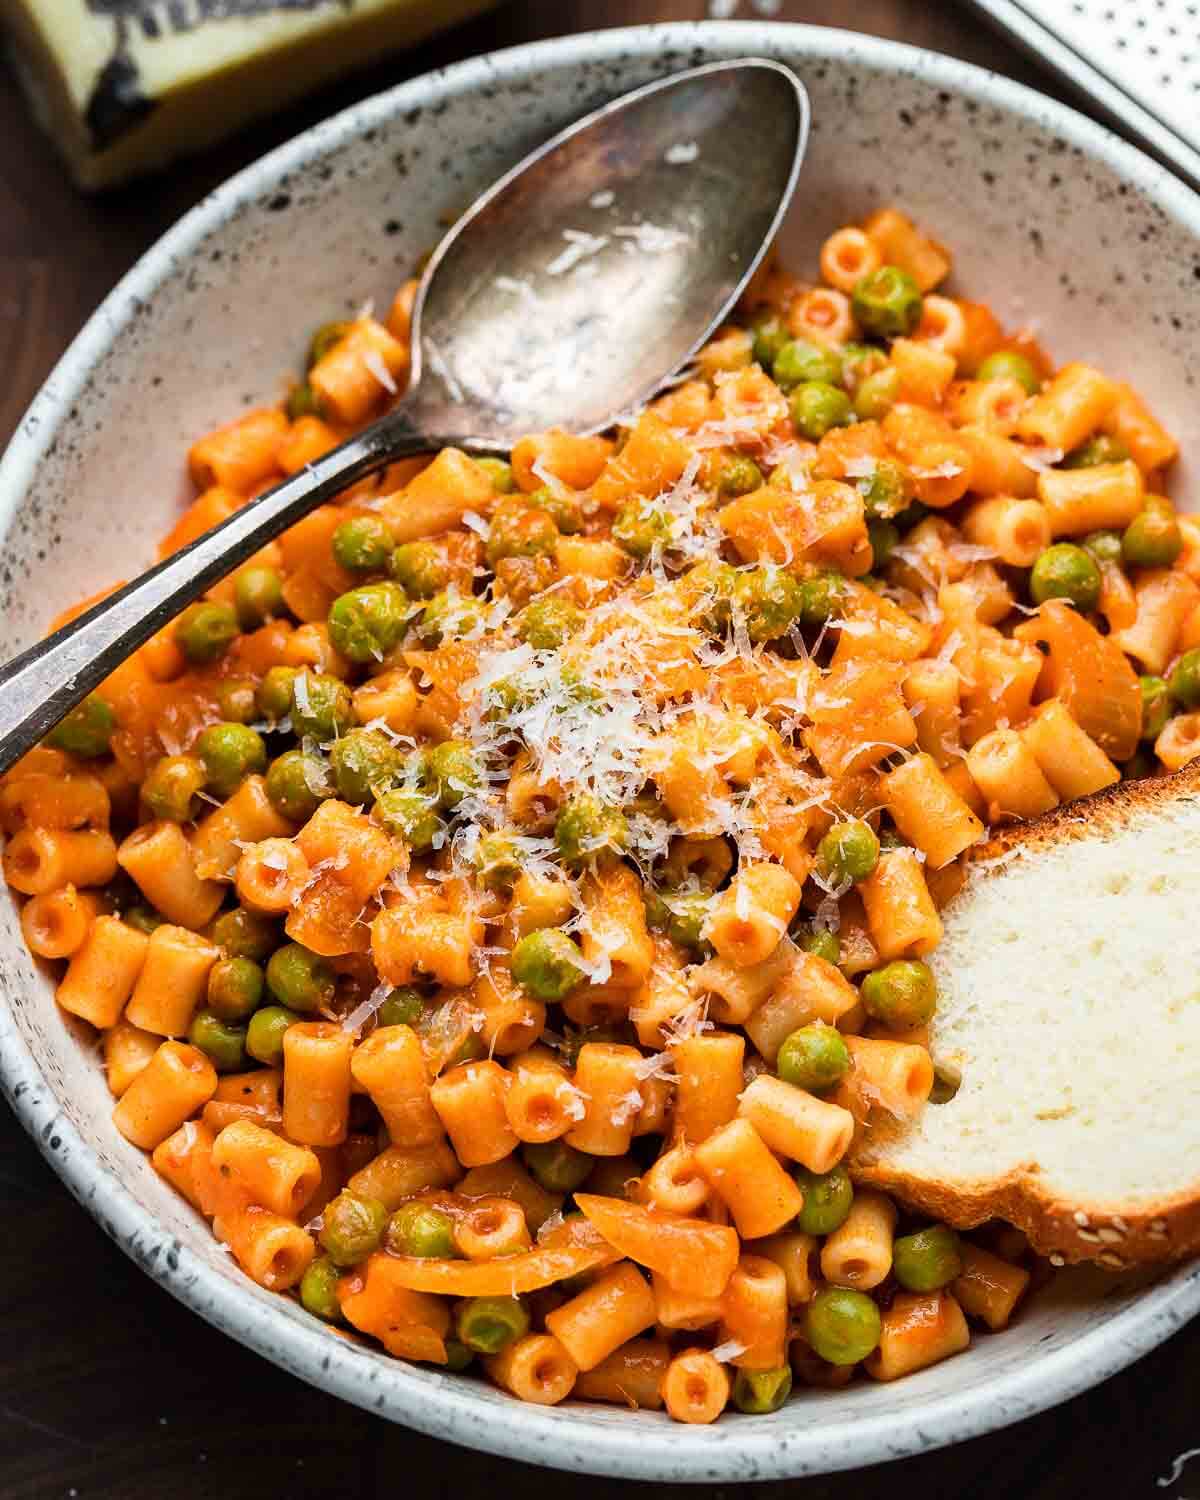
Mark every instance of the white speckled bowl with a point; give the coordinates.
(1051, 218)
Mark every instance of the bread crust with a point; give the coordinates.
(1074, 1231)
(1066, 1230)
(1103, 812)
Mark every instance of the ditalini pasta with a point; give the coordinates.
(505, 899)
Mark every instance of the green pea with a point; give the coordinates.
(235, 988)
(877, 394)
(274, 695)
(657, 915)
(458, 1356)
(1140, 764)
(687, 913)
(318, 1290)
(402, 1007)
(585, 825)
(454, 771)
(800, 361)
(944, 1087)
(171, 787)
(469, 1049)
(142, 919)
(824, 944)
(561, 506)
(264, 1034)
(757, 1392)
(519, 531)
(927, 1260)
(640, 527)
(886, 490)
(818, 407)
(257, 597)
(712, 585)
(1184, 680)
(489, 1324)
(860, 362)
(849, 851)
(827, 1199)
(903, 994)
(204, 632)
(887, 302)
(322, 706)
(297, 783)
(813, 1058)
(1156, 706)
(557, 1167)
(1065, 571)
(302, 401)
(1008, 364)
(547, 963)
(884, 537)
(325, 339)
(771, 601)
(230, 753)
(364, 764)
(420, 1229)
(498, 861)
(1153, 538)
(549, 622)
(769, 337)
(738, 475)
(362, 544)
(299, 978)
(409, 814)
(365, 623)
(822, 598)
(86, 730)
(236, 700)
(1100, 449)
(245, 934)
(353, 1229)
(420, 568)
(500, 473)
(222, 1043)
(450, 616)
(842, 1326)
(1104, 546)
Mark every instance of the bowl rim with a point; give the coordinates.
(430, 1402)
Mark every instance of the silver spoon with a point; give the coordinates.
(563, 297)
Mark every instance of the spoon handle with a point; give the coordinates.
(46, 681)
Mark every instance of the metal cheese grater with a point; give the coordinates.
(1139, 60)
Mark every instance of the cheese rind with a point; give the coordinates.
(125, 86)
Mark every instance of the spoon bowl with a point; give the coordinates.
(602, 262)
(524, 319)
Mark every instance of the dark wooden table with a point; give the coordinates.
(108, 1387)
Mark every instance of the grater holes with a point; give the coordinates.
(1150, 48)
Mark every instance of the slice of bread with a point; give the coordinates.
(1069, 1014)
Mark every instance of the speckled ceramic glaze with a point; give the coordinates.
(1051, 219)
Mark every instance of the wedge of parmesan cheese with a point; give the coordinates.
(124, 86)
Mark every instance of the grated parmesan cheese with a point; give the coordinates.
(356, 1019)
(580, 246)
(651, 239)
(373, 360)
